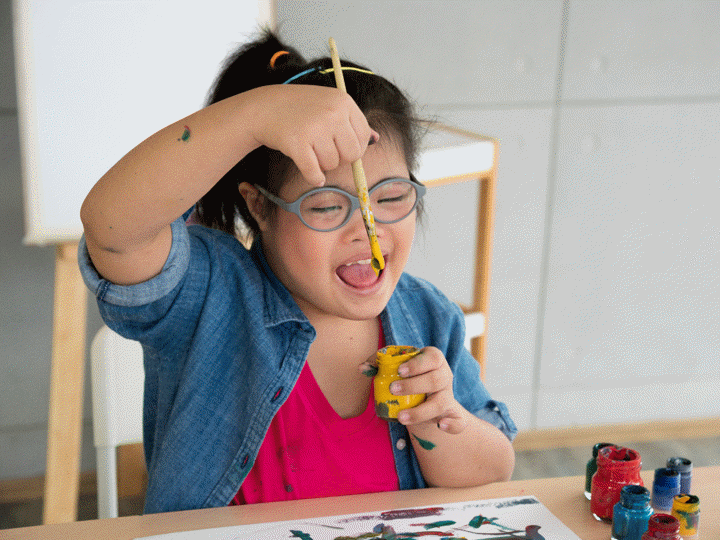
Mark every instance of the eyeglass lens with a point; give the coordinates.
(390, 202)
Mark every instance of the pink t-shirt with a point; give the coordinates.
(310, 451)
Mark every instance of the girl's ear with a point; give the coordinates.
(255, 203)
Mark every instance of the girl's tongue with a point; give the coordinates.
(357, 275)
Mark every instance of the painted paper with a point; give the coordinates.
(511, 518)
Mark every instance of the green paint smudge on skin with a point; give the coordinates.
(427, 445)
(185, 137)
(370, 371)
(301, 535)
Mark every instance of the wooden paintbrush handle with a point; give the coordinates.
(378, 262)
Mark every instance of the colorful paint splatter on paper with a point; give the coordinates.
(513, 518)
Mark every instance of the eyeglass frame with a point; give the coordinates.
(294, 207)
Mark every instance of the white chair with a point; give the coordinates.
(117, 398)
(474, 327)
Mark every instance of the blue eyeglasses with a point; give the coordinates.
(326, 209)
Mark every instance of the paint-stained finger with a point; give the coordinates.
(429, 359)
(369, 367)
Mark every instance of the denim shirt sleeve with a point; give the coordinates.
(148, 291)
(421, 315)
(472, 394)
(467, 382)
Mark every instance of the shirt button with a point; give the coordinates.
(400, 444)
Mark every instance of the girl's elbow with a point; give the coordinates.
(504, 462)
(88, 216)
(508, 464)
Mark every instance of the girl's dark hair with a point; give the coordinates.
(386, 108)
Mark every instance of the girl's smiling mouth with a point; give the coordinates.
(358, 274)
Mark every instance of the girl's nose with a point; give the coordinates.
(356, 228)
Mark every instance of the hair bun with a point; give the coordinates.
(252, 66)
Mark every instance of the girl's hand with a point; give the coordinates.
(429, 373)
(315, 126)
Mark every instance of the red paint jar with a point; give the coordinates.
(664, 527)
(616, 467)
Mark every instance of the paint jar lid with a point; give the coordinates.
(600, 445)
(680, 464)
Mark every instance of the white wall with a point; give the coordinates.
(605, 290)
(606, 230)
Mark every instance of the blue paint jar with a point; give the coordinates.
(591, 467)
(665, 486)
(684, 467)
(631, 514)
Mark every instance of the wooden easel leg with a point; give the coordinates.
(483, 258)
(66, 389)
(477, 348)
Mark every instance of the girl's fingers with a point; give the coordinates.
(436, 406)
(429, 359)
(307, 163)
(427, 383)
(426, 373)
(449, 420)
(348, 146)
(369, 367)
(326, 127)
(326, 153)
(452, 423)
(363, 132)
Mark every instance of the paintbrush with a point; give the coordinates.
(378, 263)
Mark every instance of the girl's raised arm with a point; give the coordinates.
(127, 214)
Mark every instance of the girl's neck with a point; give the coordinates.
(335, 357)
(346, 331)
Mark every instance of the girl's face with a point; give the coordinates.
(329, 273)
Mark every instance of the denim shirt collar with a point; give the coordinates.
(279, 306)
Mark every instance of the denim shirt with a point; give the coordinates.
(224, 343)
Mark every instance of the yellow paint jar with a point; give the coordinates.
(686, 508)
(389, 359)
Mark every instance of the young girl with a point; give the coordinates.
(254, 383)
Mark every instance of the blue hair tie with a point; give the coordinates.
(291, 79)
